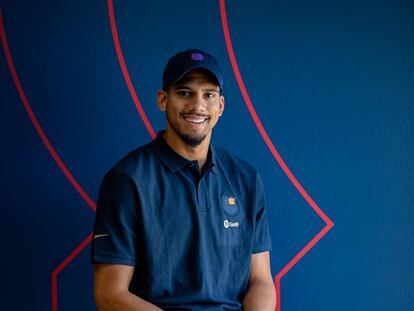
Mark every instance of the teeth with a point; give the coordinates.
(194, 119)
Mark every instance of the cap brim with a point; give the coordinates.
(204, 66)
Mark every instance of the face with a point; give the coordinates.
(192, 108)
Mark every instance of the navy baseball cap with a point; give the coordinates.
(185, 61)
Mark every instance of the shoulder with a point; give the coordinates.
(134, 161)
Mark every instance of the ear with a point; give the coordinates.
(162, 100)
(221, 105)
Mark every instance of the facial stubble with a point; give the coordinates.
(190, 140)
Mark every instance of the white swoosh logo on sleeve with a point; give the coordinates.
(97, 236)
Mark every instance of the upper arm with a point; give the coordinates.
(260, 267)
(116, 221)
(110, 279)
(261, 294)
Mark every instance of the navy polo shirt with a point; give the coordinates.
(189, 235)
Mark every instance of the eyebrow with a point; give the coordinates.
(183, 86)
(180, 86)
(212, 90)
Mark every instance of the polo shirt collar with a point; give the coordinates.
(174, 161)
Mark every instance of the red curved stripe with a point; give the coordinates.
(125, 72)
(36, 123)
(62, 266)
(54, 155)
(274, 152)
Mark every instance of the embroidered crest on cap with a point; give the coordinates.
(197, 56)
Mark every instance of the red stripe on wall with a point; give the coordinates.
(56, 158)
(62, 266)
(35, 121)
(274, 152)
(125, 72)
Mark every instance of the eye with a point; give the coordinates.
(210, 94)
(183, 93)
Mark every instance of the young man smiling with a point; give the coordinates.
(181, 224)
(193, 107)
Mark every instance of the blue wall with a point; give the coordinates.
(331, 81)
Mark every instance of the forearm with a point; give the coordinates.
(123, 301)
(261, 296)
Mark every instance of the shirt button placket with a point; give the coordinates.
(202, 195)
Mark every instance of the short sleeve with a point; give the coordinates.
(114, 236)
(262, 239)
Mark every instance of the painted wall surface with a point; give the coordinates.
(325, 85)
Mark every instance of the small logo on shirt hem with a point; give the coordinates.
(228, 224)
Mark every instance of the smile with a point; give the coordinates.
(195, 119)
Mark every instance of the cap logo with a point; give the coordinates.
(197, 56)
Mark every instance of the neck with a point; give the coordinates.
(192, 153)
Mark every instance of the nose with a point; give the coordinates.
(198, 102)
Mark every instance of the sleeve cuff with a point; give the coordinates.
(97, 258)
(259, 248)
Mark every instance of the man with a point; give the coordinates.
(180, 224)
